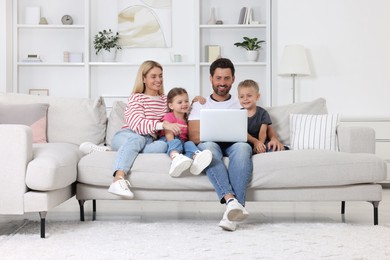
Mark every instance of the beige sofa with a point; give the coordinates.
(37, 177)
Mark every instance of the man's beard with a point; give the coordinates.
(223, 92)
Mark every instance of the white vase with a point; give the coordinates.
(212, 19)
(252, 55)
(109, 56)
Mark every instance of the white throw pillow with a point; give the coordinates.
(280, 116)
(309, 131)
(116, 120)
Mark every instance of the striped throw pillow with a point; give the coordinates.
(314, 131)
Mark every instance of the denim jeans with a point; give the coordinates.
(235, 179)
(129, 145)
(178, 145)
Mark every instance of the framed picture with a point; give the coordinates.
(39, 92)
(145, 23)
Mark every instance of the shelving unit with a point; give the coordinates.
(226, 34)
(49, 42)
(92, 78)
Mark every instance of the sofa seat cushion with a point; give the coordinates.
(315, 168)
(288, 169)
(149, 171)
(54, 166)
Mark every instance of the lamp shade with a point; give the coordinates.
(294, 61)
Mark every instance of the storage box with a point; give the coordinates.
(213, 52)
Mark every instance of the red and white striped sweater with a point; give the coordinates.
(143, 112)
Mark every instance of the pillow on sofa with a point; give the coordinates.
(280, 115)
(33, 115)
(115, 120)
(314, 131)
(70, 120)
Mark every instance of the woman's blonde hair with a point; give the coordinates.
(146, 66)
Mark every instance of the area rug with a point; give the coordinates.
(200, 239)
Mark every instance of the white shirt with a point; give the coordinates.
(231, 103)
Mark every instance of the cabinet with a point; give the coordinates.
(92, 77)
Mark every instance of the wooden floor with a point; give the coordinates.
(260, 212)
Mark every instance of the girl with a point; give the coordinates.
(179, 105)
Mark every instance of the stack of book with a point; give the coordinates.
(245, 15)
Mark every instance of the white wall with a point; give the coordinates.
(5, 45)
(348, 43)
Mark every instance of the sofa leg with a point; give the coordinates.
(42, 215)
(375, 204)
(81, 204)
(93, 209)
(343, 207)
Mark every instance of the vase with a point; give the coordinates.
(109, 55)
(212, 16)
(252, 55)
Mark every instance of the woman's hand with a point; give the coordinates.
(175, 128)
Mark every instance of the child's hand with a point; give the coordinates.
(259, 147)
(199, 99)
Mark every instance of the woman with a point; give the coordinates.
(145, 109)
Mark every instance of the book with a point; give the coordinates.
(242, 15)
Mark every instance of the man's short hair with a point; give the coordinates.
(222, 63)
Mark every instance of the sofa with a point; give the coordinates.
(38, 174)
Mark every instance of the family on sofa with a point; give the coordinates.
(42, 165)
(156, 123)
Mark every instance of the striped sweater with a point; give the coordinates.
(143, 112)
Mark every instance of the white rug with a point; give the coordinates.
(200, 239)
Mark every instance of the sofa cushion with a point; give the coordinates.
(70, 120)
(32, 115)
(315, 168)
(314, 131)
(115, 120)
(54, 166)
(280, 115)
(287, 169)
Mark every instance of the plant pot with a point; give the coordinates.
(252, 55)
(109, 56)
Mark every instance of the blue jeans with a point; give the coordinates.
(129, 145)
(236, 178)
(178, 145)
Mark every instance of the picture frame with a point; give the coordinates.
(39, 91)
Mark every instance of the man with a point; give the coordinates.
(230, 184)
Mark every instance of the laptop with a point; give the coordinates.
(223, 125)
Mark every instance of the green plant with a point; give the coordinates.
(250, 44)
(106, 40)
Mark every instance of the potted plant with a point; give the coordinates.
(107, 42)
(252, 45)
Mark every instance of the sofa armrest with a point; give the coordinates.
(356, 139)
(16, 153)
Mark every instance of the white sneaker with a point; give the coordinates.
(88, 147)
(179, 164)
(201, 161)
(121, 188)
(235, 211)
(227, 224)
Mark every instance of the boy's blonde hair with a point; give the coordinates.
(248, 83)
(146, 66)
